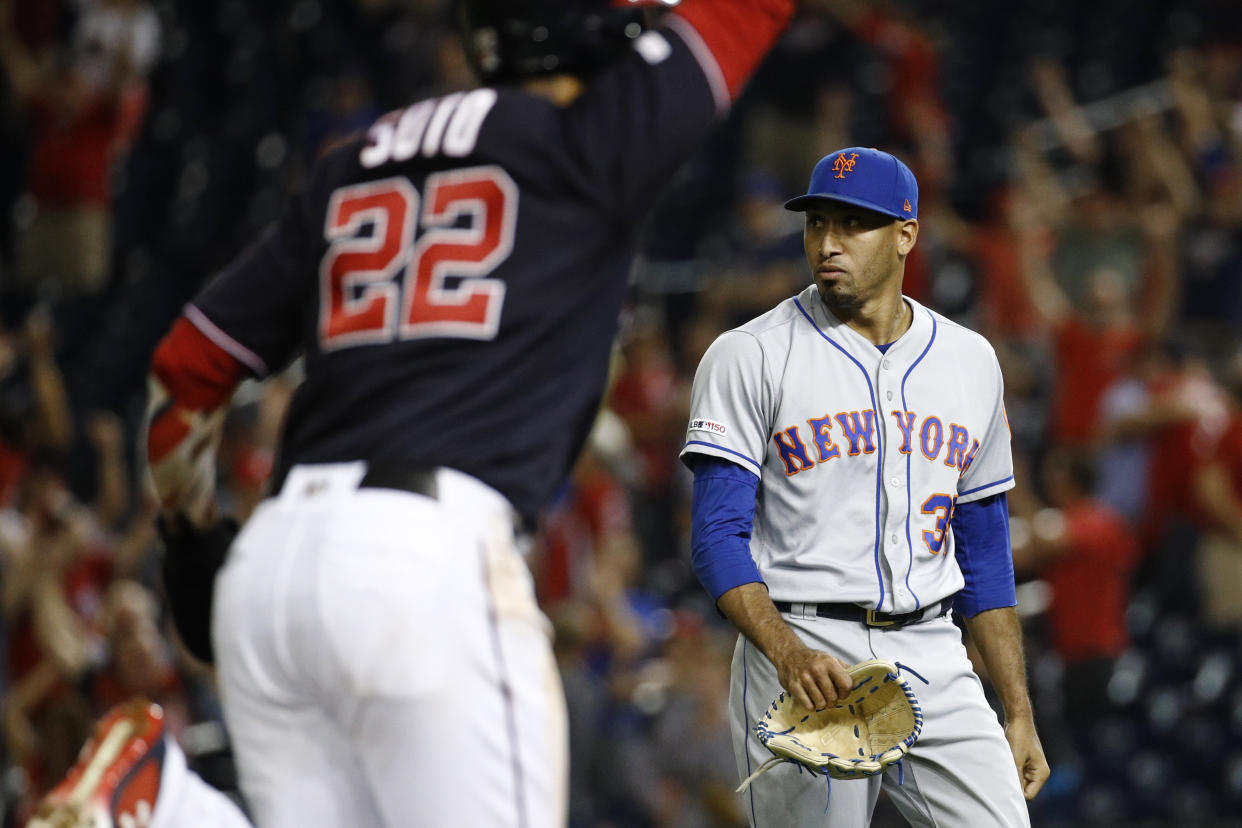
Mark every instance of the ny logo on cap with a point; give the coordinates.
(843, 165)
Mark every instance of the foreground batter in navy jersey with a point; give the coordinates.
(453, 278)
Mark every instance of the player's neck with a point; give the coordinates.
(881, 321)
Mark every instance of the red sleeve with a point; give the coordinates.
(198, 373)
(730, 37)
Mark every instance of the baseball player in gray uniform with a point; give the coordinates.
(851, 453)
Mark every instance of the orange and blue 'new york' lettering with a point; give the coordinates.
(931, 444)
(792, 450)
(858, 428)
(970, 456)
(905, 422)
(821, 429)
(958, 438)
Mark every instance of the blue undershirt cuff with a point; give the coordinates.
(721, 520)
(984, 554)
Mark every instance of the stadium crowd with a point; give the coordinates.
(1081, 198)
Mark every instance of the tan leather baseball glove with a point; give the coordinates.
(870, 729)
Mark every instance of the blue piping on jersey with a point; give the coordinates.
(722, 448)
(985, 486)
(909, 544)
(879, 438)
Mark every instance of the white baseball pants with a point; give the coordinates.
(185, 799)
(382, 660)
(959, 773)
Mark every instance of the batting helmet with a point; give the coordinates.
(507, 40)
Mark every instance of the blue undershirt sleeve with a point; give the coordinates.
(721, 518)
(981, 537)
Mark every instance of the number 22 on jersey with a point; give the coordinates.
(391, 283)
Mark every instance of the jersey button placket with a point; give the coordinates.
(894, 512)
(895, 482)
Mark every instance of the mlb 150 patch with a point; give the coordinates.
(708, 425)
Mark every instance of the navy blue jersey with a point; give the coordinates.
(454, 277)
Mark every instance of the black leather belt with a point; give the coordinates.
(853, 612)
(419, 481)
(423, 482)
(415, 481)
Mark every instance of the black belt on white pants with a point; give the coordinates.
(853, 612)
(419, 481)
(422, 481)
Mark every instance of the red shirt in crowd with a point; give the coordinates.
(13, 465)
(915, 105)
(1006, 308)
(1089, 360)
(1090, 583)
(1227, 450)
(1177, 448)
(597, 508)
(72, 163)
(645, 396)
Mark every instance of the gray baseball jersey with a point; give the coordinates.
(862, 455)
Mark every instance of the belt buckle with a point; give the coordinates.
(874, 621)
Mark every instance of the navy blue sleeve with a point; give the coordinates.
(643, 116)
(721, 518)
(981, 537)
(639, 121)
(254, 308)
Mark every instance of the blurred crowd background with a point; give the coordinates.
(1080, 170)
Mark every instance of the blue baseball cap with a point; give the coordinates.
(864, 177)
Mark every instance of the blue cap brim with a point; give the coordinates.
(799, 204)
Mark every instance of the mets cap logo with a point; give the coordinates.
(843, 165)
(906, 206)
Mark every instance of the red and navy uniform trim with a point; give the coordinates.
(729, 40)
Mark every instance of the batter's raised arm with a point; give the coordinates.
(815, 679)
(730, 38)
(642, 118)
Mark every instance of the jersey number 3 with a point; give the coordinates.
(393, 281)
(940, 505)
